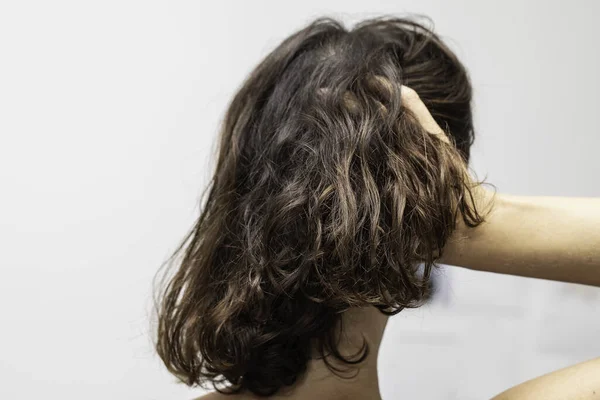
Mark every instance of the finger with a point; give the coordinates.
(413, 102)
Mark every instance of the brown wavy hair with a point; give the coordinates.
(327, 195)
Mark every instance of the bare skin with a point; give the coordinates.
(552, 238)
(320, 383)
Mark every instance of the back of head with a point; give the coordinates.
(327, 195)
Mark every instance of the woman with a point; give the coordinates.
(336, 192)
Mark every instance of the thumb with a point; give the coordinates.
(412, 101)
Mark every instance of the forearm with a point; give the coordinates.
(555, 238)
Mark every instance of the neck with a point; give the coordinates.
(361, 380)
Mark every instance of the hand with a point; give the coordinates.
(413, 102)
(483, 197)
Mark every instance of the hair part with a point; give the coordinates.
(327, 195)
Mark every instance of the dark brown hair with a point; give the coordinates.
(327, 195)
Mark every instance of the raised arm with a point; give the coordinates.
(555, 238)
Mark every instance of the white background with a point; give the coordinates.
(109, 110)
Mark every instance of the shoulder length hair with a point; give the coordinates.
(327, 194)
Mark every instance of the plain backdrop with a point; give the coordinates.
(108, 114)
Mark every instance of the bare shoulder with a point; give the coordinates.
(219, 396)
(211, 396)
(580, 381)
